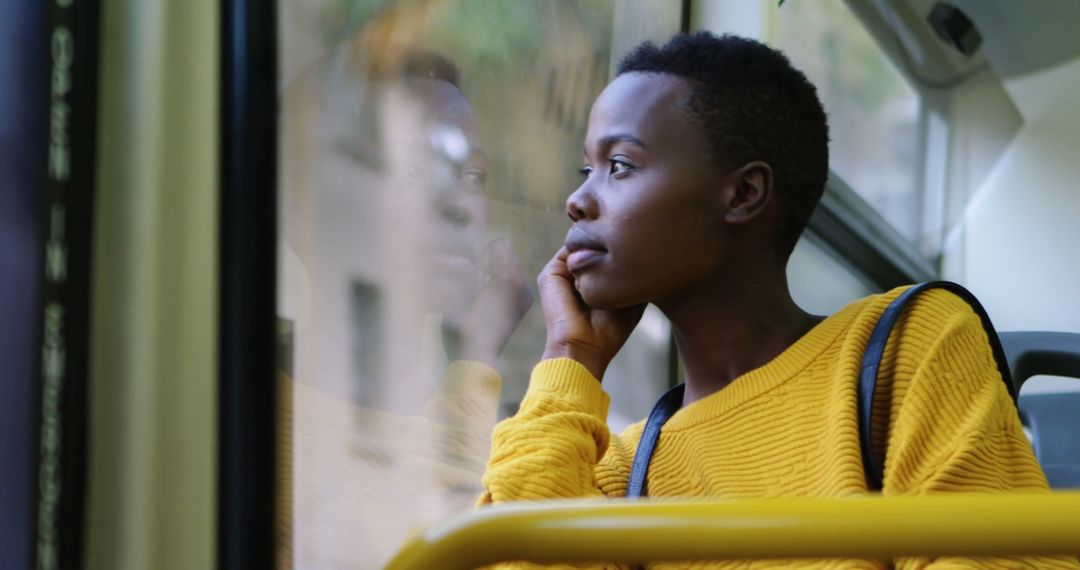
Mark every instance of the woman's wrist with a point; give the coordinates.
(595, 364)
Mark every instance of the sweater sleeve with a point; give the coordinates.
(954, 426)
(551, 448)
(458, 420)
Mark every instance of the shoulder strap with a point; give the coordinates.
(665, 407)
(875, 349)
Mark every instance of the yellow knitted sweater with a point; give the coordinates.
(789, 428)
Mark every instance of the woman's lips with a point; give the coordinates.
(582, 258)
(584, 248)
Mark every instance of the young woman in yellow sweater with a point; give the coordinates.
(703, 161)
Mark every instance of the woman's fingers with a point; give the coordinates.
(556, 286)
(502, 301)
(556, 266)
(575, 330)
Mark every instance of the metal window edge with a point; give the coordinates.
(860, 236)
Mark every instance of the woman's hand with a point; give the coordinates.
(500, 304)
(574, 330)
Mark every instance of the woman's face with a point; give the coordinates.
(646, 218)
(443, 165)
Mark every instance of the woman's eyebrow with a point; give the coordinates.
(610, 140)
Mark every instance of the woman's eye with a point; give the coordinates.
(585, 171)
(619, 167)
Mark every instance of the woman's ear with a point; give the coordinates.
(749, 190)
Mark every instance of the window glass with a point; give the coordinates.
(820, 282)
(873, 110)
(427, 151)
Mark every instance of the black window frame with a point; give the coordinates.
(247, 497)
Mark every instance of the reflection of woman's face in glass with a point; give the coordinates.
(440, 158)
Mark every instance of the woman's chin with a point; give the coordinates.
(601, 298)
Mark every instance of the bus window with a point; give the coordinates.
(427, 151)
(874, 113)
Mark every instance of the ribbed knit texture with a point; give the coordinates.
(789, 428)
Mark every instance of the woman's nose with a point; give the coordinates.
(453, 206)
(581, 205)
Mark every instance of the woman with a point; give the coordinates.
(704, 159)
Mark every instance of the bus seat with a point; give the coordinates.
(1054, 423)
(1053, 420)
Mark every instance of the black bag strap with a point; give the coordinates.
(875, 349)
(665, 407)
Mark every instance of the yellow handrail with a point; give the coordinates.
(858, 527)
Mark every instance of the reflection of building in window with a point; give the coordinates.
(366, 343)
(382, 215)
(389, 234)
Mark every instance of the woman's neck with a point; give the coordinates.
(724, 330)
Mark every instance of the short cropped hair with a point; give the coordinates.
(419, 64)
(753, 105)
